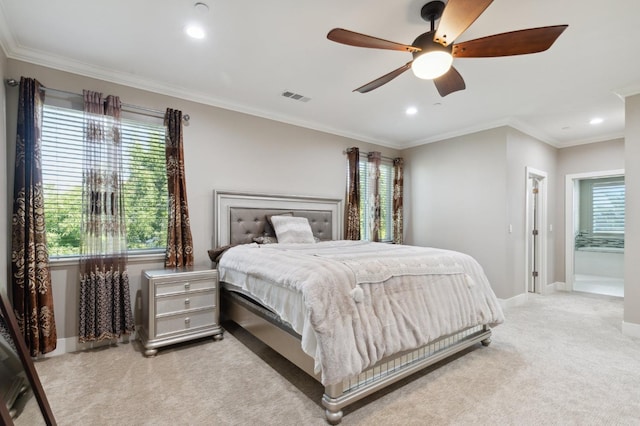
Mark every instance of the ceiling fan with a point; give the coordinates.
(433, 51)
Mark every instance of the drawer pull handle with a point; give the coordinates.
(187, 286)
(187, 302)
(187, 321)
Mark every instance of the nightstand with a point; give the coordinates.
(179, 305)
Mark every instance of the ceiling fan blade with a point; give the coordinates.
(384, 79)
(449, 82)
(352, 38)
(521, 42)
(457, 16)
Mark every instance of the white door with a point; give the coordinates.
(533, 284)
(536, 228)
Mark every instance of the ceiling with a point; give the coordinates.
(256, 50)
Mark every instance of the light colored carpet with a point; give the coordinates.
(560, 359)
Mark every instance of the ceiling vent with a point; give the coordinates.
(295, 96)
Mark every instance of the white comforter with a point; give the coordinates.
(356, 302)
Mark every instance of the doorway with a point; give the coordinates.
(593, 255)
(536, 225)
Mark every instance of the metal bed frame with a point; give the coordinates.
(262, 324)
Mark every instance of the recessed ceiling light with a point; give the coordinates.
(411, 111)
(195, 31)
(596, 120)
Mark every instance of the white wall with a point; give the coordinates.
(223, 150)
(456, 199)
(632, 219)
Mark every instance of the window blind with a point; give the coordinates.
(608, 201)
(386, 200)
(144, 188)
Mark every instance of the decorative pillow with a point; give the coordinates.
(216, 253)
(292, 229)
(268, 225)
(267, 239)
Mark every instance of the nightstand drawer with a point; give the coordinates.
(181, 302)
(186, 321)
(172, 287)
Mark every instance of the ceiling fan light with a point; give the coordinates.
(195, 31)
(432, 64)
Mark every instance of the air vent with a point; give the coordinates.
(295, 96)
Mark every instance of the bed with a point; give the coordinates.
(356, 316)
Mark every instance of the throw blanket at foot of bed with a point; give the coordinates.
(363, 301)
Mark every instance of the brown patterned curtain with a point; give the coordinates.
(373, 175)
(179, 241)
(31, 277)
(352, 208)
(105, 301)
(398, 189)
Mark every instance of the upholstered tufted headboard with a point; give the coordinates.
(239, 217)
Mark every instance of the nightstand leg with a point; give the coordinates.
(150, 352)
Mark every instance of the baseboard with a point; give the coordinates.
(514, 301)
(552, 288)
(522, 298)
(71, 344)
(630, 329)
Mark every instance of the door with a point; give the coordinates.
(536, 230)
(534, 245)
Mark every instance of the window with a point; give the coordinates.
(145, 188)
(386, 200)
(608, 203)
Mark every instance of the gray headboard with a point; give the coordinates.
(241, 216)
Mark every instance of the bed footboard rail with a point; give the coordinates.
(386, 372)
(389, 371)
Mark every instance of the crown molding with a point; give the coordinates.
(14, 51)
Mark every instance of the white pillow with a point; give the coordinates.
(291, 229)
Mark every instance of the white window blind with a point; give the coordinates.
(386, 200)
(608, 200)
(145, 187)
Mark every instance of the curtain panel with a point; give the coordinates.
(179, 240)
(352, 207)
(105, 301)
(374, 158)
(30, 273)
(398, 189)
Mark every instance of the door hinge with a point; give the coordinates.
(534, 274)
(535, 232)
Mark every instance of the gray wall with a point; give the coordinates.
(456, 192)
(632, 219)
(461, 193)
(465, 194)
(223, 150)
(594, 157)
(525, 151)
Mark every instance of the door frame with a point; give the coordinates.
(571, 194)
(542, 227)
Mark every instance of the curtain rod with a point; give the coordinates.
(348, 150)
(156, 113)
